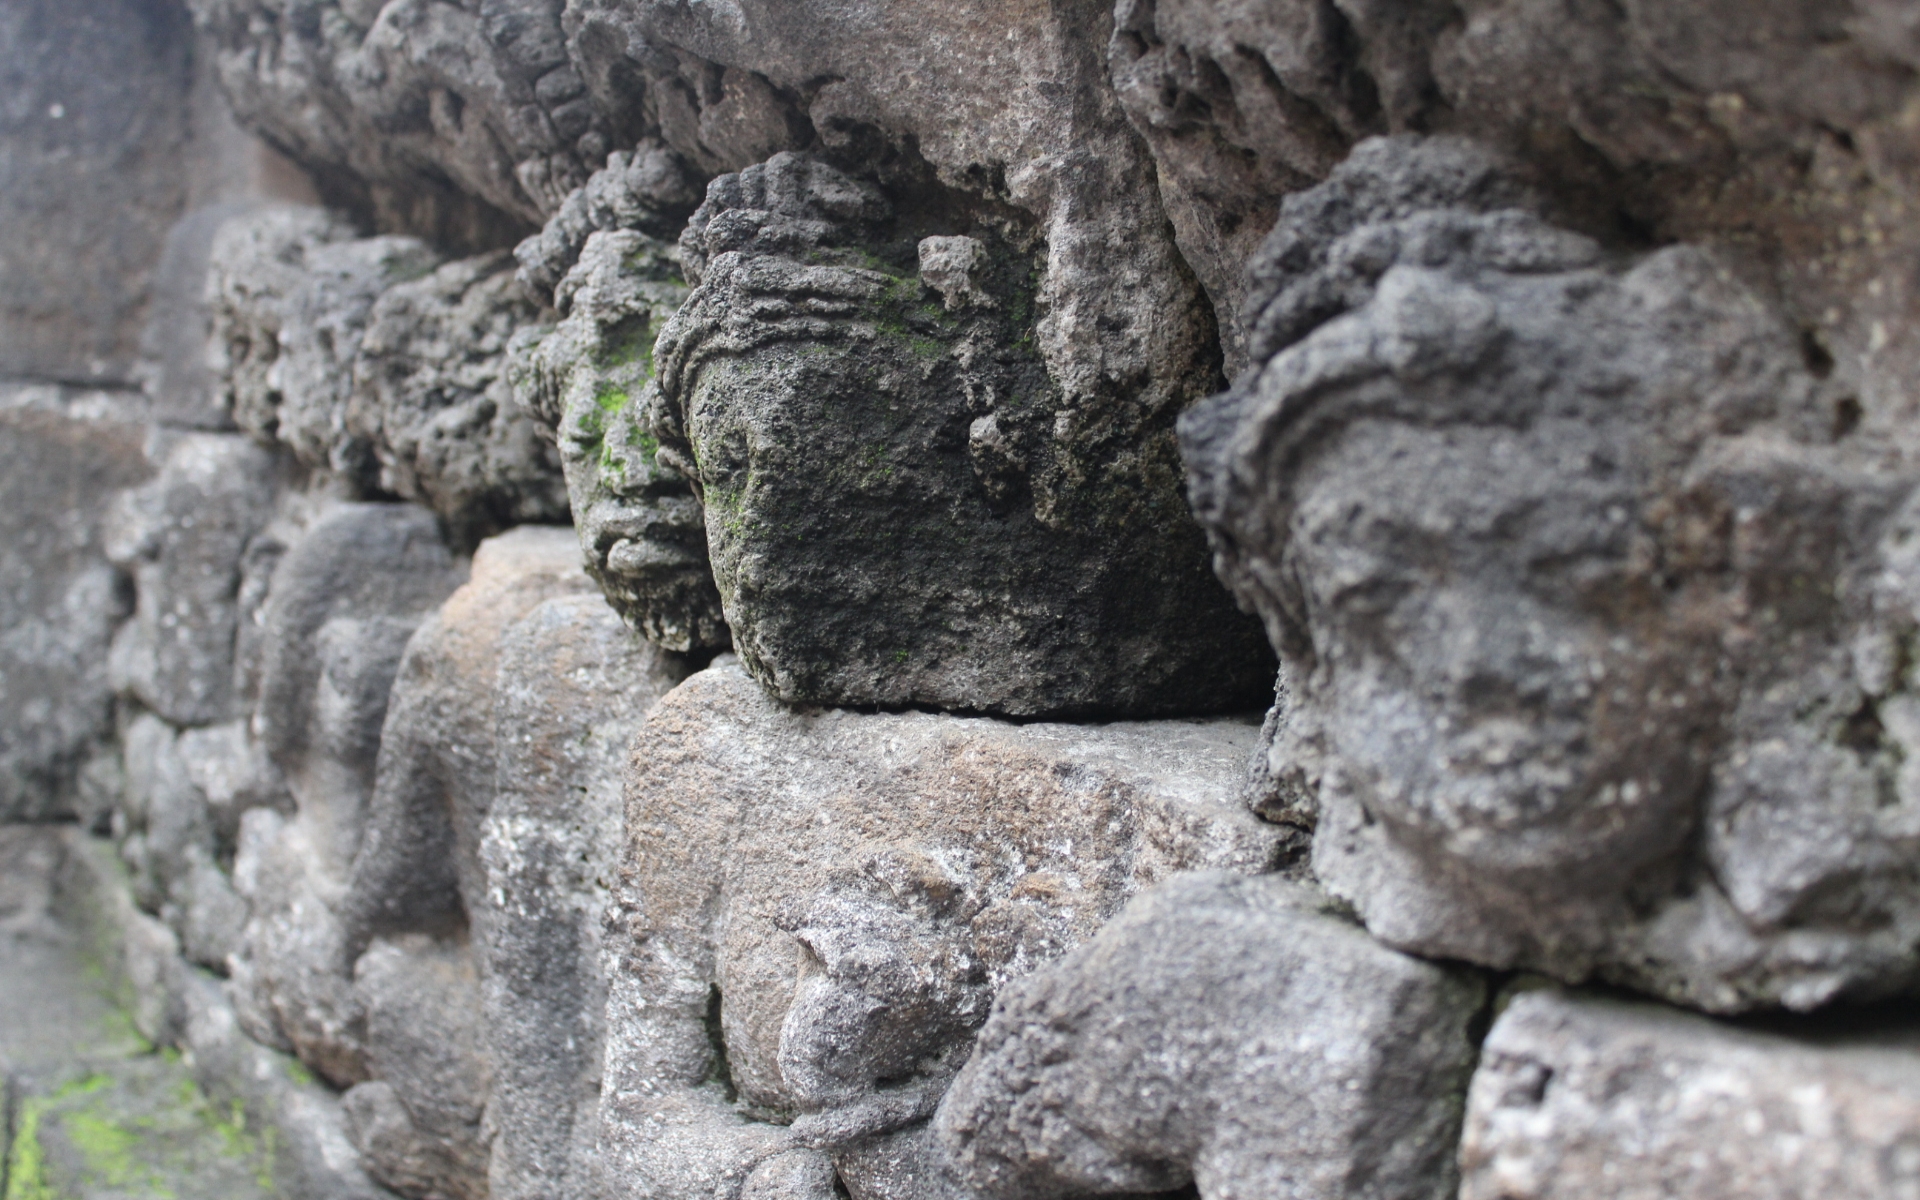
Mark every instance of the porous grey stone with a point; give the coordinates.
(1223, 1031)
(407, 907)
(433, 399)
(892, 500)
(641, 529)
(177, 844)
(60, 600)
(293, 290)
(374, 361)
(344, 600)
(648, 189)
(1586, 605)
(418, 855)
(184, 537)
(420, 116)
(476, 894)
(93, 171)
(418, 1122)
(573, 687)
(815, 910)
(1246, 101)
(1581, 1097)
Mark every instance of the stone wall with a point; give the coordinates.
(1223, 597)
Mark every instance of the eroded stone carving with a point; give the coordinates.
(1223, 1031)
(641, 529)
(344, 600)
(815, 911)
(379, 364)
(433, 399)
(1590, 608)
(468, 925)
(901, 503)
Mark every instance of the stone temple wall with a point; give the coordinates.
(773, 599)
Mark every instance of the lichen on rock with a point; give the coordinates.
(900, 505)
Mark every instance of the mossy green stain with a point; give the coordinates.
(105, 1146)
(27, 1160)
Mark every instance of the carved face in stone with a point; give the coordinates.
(1556, 546)
(640, 526)
(887, 470)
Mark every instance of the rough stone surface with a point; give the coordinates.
(815, 911)
(184, 537)
(1172, 1049)
(294, 288)
(648, 189)
(1579, 1097)
(641, 529)
(343, 602)
(1245, 101)
(91, 176)
(416, 115)
(471, 914)
(900, 504)
(177, 844)
(573, 687)
(1568, 456)
(59, 600)
(1496, 492)
(373, 360)
(433, 399)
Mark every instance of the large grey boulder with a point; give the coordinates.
(1587, 604)
(60, 600)
(902, 505)
(1580, 1097)
(642, 532)
(184, 538)
(344, 600)
(816, 909)
(1227, 1032)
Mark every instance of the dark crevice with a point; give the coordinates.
(722, 1071)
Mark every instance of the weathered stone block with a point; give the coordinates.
(1580, 1097)
(433, 399)
(472, 910)
(293, 290)
(60, 600)
(184, 538)
(1227, 1032)
(344, 600)
(817, 908)
(574, 684)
